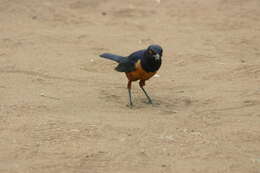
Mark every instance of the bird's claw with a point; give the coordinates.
(130, 105)
(150, 102)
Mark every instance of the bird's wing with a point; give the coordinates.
(128, 64)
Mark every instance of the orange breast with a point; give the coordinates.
(139, 73)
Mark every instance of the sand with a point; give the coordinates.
(63, 109)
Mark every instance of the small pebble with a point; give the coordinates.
(142, 151)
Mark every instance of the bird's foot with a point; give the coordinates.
(150, 102)
(130, 105)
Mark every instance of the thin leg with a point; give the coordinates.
(141, 84)
(129, 92)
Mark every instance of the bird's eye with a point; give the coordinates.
(150, 51)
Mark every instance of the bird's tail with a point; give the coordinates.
(113, 57)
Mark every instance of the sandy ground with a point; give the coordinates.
(63, 109)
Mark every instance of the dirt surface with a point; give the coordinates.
(63, 109)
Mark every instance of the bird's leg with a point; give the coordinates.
(142, 84)
(129, 92)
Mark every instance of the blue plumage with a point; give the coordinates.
(113, 57)
(140, 65)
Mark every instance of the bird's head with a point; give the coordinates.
(155, 51)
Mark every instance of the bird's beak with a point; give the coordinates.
(156, 57)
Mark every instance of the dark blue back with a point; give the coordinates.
(134, 57)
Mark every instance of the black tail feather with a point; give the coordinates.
(113, 57)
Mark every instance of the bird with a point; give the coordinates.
(139, 66)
